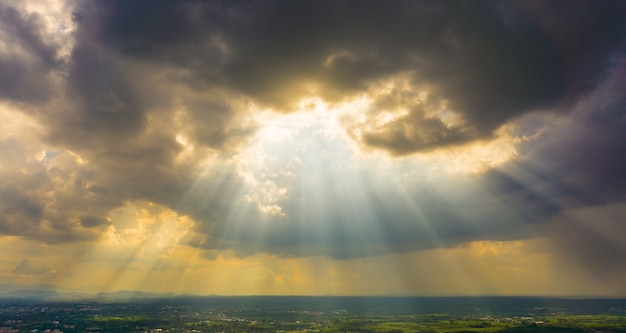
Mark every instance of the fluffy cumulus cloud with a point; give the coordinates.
(311, 128)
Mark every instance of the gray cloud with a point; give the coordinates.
(142, 73)
(578, 159)
(112, 122)
(341, 210)
(403, 134)
(26, 66)
(45, 203)
(92, 221)
(490, 62)
(107, 104)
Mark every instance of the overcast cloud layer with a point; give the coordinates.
(100, 108)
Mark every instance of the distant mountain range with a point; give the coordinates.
(48, 293)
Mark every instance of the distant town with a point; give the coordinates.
(314, 314)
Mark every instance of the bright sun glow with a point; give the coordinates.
(281, 136)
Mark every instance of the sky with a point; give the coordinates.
(407, 148)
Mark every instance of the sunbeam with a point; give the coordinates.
(313, 147)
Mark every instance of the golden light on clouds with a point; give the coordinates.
(243, 150)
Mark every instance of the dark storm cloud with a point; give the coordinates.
(586, 32)
(112, 122)
(579, 159)
(215, 124)
(26, 65)
(552, 190)
(27, 32)
(108, 106)
(98, 102)
(574, 175)
(141, 73)
(490, 62)
(590, 155)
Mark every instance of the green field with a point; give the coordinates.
(318, 315)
